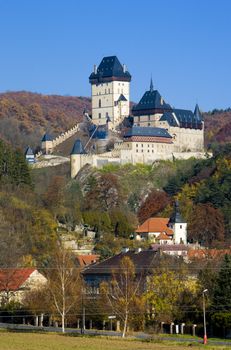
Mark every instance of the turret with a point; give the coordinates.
(75, 158)
(178, 225)
(47, 143)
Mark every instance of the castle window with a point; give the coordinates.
(137, 150)
(152, 151)
(99, 115)
(105, 91)
(180, 226)
(142, 150)
(137, 145)
(109, 91)
(148, 150)
(99, 103)
(149, 124)
(142, 145)
(148, 145)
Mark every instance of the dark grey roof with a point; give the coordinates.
(147, 131)
(176, 217)
(122, 98)
(110, 67)
(197, 113)
(143, 261)
(183, 118)
(47, 137)
(151, 100)
(78, 148)
(29, 151)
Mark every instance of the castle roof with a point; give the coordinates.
(122, 98)
(47, 137)
(147, 131)
(78, 148)
(109, 69)
(29, 151)
(183, 118)
(151, 102)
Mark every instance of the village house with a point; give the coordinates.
(15, 282)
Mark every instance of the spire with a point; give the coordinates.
(78, 148)
(151, 85)
(197, 112)
(176, 216)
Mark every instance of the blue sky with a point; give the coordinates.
(50, 46)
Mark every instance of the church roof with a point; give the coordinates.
(29, 151)
(78, 148)
(176, 217)
(151, 100)
(147, 131)
(110, 67)
(47, 137)
(155, 225)
(183, 118)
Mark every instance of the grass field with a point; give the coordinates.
(33, 341)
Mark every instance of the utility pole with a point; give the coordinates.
(204, 314)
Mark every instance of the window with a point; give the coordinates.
(105, 91)
(180, 226)
(99, 103)
(137, 150)
(137, 145)
(142, 145)
(99, 115)
(109, 91)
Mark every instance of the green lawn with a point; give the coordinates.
(35, 341)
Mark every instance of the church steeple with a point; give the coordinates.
(151, 85)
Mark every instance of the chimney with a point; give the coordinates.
(95, 69)
(124, 68)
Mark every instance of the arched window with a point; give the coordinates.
(99, 103)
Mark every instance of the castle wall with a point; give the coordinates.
(147, 120)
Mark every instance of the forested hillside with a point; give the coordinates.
(26, 116)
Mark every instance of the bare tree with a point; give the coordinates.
(64, 284)
(123, 292)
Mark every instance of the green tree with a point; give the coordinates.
(221, 301)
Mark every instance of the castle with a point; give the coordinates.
(159, 131)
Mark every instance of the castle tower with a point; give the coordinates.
(47, 144)
(75, 157)
(110, 91)
(178, 225)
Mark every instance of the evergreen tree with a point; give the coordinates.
(222, 291)
(222, 297)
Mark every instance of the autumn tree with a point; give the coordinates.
(153, 204)
(54, 197)
(206, 225)
(64, 284)
(123, 292)
(163, 290)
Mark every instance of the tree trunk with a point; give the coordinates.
(63, 323)
(125, 324)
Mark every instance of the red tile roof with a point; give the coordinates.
(13, 279)
(85, 260)
(207, 253)
(155, 225)
(163, 236)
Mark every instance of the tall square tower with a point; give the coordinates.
(110, 91)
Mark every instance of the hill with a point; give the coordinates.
(26, 116)
(217, 126)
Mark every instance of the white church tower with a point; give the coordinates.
(178, 225)
(110, 91)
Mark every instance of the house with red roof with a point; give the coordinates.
(171, 230)
(85, 260)
(14, 282)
